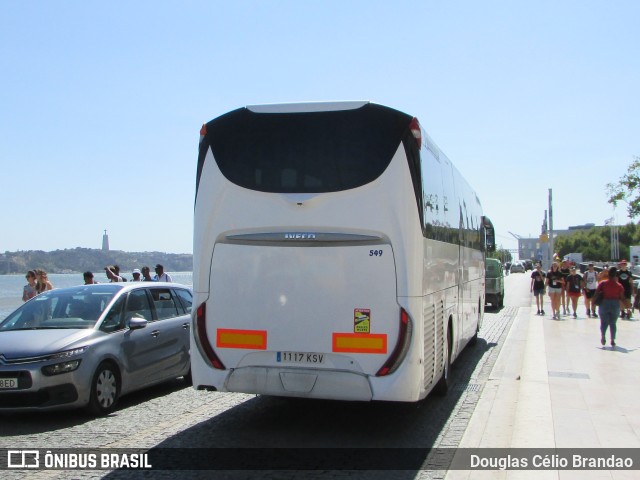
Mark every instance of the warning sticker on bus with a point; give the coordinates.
(362, 320)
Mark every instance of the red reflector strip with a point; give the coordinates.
(360, 342)
(251, 339)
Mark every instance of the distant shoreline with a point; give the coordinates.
(79, 260)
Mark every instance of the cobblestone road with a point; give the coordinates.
(175, 416)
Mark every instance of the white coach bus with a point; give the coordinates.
(338, 254)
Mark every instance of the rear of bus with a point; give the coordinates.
(308, 252)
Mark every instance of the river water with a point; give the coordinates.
(11, 286)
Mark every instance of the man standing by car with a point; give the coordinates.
(112, 272)
(537, 287)
(146, 274)
(160, 275)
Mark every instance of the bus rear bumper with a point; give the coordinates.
(300, 382)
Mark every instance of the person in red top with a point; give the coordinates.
(609, 311)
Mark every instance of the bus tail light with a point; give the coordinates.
(416, 131)
(202, 339)
(402, 346)
(203, 131)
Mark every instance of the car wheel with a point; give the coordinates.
(105, 389)
(442, 387)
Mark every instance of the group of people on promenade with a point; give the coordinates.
(139, 275)
(38, 282)
(608, 291)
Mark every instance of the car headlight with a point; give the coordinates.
(67, 365)
(68, 353)
(58, 368)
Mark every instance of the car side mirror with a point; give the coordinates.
(136, 323)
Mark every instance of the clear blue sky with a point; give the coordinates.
(101, 103)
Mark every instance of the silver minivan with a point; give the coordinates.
(88, 345)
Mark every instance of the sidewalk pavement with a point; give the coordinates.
(555, 386)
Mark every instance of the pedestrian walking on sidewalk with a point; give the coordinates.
(609, 310)
(555, 282)
(625, 279)
(537, 287)
(604, 273)
(573, 287)
(565, 271)
(590, 285)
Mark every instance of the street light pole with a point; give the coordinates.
(615, 250)
(551, 247)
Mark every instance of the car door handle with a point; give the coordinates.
(185, 326)
(155, 333)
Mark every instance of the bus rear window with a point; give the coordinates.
(308, 152)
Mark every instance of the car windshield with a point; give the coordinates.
(75, 307)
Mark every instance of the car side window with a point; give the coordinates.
(114, 319)
(138, 306)
(164, 303)
(186, 299)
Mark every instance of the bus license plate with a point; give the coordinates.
(300, 357)
(7, 383)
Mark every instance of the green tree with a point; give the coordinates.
(501, 254)
(595, 243)
(627, 189)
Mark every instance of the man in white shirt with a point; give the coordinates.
(160, 276)
(591, 283)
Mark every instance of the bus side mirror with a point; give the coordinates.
(489, 235)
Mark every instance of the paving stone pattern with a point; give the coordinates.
(172, 416)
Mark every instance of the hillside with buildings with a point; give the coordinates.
(78, 260)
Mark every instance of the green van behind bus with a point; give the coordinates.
(494, 283)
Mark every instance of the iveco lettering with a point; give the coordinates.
(299, 236)
(338, 254)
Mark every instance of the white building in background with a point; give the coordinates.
(105, 242)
